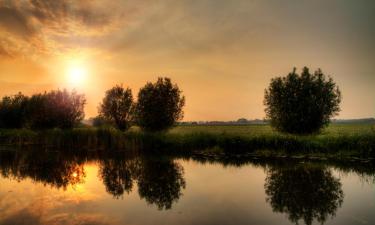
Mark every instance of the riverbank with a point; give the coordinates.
(346, 141)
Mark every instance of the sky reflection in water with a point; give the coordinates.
(57, 189)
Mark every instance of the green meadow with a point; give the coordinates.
(251, 130)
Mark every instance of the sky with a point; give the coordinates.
(222, 54)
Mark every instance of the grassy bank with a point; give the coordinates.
(260, 140)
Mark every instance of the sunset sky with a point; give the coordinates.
(221, 53)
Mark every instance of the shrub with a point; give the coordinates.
(159, 105)
(60, 109)
(12, 111)
(301, 104)
(100, 121)
(116, 107)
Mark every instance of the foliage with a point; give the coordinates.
(53, 109)
(159, 105)
(304, 193)
(301, 104)
(12, 111)
(116, 106)
(100, 121)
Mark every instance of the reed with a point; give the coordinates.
(333, 142)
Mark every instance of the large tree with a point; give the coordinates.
(159, 105)
(302, 104)
(116, 106)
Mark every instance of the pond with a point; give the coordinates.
(53, 188)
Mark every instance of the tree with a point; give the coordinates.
(301, 104)
(12, 111)
(159, 105)
(117, 105)
(53, 109)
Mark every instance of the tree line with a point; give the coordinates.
(158, 108)
(296, 103)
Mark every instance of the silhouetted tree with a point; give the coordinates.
(159, 105)
(116, 106)
(301, 104)
(303, 192)
(60, 109)
(12, 111)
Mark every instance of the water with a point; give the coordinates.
(50, 188)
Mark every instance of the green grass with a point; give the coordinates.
(251, 130)
(354, 140)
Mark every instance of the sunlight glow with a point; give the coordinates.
(77, 74)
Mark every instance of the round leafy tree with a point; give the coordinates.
(301, 104)
(159, 105)
(116, 106)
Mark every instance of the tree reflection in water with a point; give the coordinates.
(159, 181)
(303, 192)
(118, 175)
(48, 169)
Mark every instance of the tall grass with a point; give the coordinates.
(260, 140)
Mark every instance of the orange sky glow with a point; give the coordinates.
(222, 54)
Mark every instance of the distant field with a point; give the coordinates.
(254, 130)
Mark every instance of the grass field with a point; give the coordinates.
(337, 140)
(251, 130)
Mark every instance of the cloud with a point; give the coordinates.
(4, 52)
(15, 22)
(47, 26)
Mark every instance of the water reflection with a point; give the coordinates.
(118, 174)
(48, 169)
(160, 182)
(303, 192)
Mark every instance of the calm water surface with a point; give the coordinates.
(38, 188)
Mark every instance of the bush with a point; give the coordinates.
(100, 121)
(301, 104)
(60, 109)
(159, 105)
(116, 107)
(12, 111)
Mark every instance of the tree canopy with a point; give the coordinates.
(54, 109)
(301, 104)
(116, 106)
(159, 105)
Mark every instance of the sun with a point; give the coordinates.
(77, 74)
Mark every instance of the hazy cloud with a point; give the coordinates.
(38, 26)
(15, 22)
